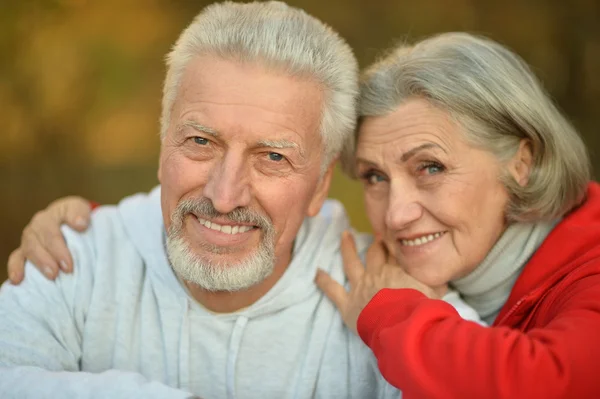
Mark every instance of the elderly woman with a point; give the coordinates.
(473, 180)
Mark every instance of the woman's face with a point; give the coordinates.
(436, 200)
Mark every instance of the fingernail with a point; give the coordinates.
(48, 271)
(12, 276)
(63, 265)
(80, 222)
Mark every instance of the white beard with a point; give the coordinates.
(215, 275)
(219, 276)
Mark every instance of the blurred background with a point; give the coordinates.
(80, 83)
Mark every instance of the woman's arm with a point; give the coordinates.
(425, 349)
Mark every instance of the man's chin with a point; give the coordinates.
(218, 254)
(217, 278)
(219, 271)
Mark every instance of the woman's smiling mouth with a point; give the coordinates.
(422, 239)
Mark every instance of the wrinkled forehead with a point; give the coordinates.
(226, 93)
(413, 120)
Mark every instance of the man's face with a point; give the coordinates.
(240, 169)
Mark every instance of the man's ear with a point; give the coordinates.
(521, 163)
(321, 191)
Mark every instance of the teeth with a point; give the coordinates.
(225, 229)
(421, 240)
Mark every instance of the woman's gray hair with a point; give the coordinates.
(494, 96)
(280, 37)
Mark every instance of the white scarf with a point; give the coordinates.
(487, 288)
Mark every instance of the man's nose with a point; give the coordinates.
(228, 185)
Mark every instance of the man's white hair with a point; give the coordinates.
(281, 37)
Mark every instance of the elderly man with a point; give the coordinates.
(205, 286)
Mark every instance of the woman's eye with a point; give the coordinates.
(273, 156)
(432, 168)
(372, 178)
(200, 140)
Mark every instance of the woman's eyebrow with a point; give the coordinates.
(366, 161)
(410, 153)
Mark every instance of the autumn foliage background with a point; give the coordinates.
(80, 83)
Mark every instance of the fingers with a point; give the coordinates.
(332, 289)
(377, 255)
(54, 244)
(74, 211)
(42, 241)
(353, 266)
(46, 227)
(16, 266)
(33, 250)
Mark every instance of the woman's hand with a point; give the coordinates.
(42, 242)
(365, 281)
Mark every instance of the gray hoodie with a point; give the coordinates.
(123, 326)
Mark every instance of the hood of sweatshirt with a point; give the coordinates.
(317, 244)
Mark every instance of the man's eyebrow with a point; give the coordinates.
(408, 154)
(280, 144)
(201, 128)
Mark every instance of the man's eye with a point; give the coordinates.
(200, 140)
(273, 156)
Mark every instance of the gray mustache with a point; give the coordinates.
(204, 208)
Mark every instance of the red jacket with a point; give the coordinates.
(545, 343)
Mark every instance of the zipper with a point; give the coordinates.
(569, 278)
(510, 312)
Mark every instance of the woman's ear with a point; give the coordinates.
(521, 163)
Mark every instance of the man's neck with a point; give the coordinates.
(229, 302)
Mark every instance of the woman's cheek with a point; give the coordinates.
(376, 210)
